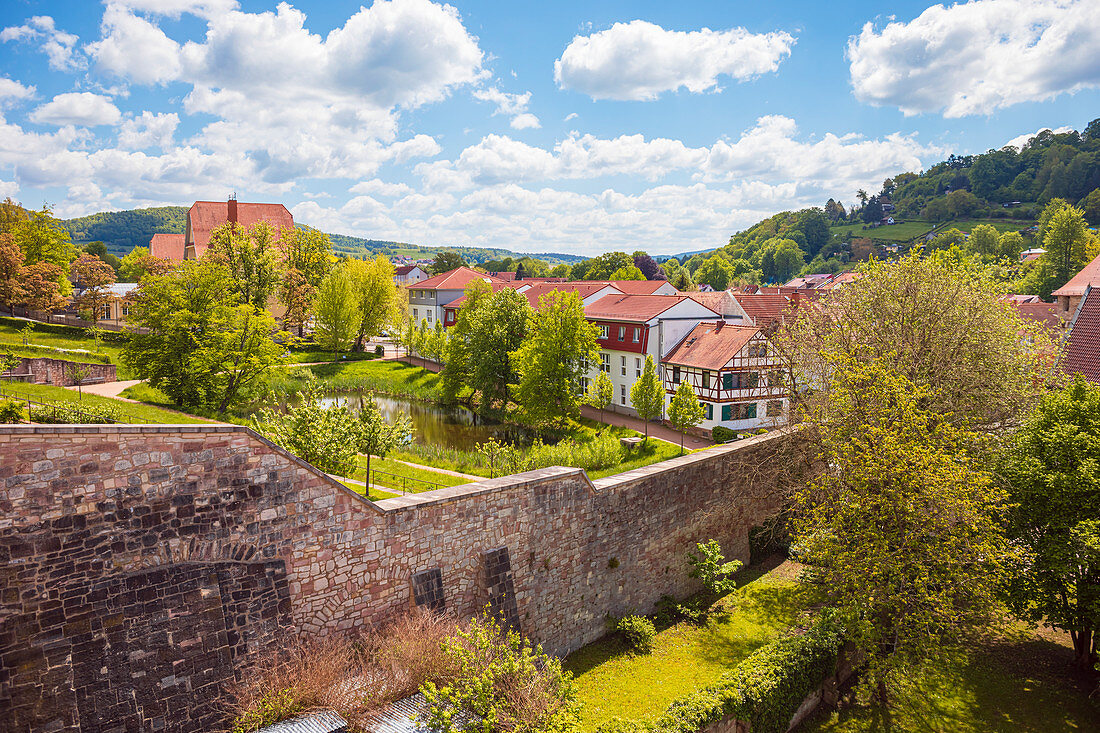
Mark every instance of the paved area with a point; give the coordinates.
(656, 430)
(109, 389)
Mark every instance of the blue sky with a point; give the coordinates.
(565, 126)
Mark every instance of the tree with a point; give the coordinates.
(204, 347)
(685, 411)
(11, 272)
(336, 309)
(560, 271)
(378, 296)
(780, 259)
(138, 262)
(716, 272)
(446, 261)
(99, 249)
(551, 361)
(984, 240)
(326, 437)
(456, 374)
(296, 295)
(496, 330)
(647, 395)
(904, 526)
(78, 374)
(11, 214)
(600, 392)
(1053, 472)
(1065, 237)
(42, 238)
(1090, 207)
(872, 210)
(605, 265)
(629, 272)
(815, 226)
(308, 251)
(646, 265)
(941, 325)
(93, 277)
(520, 272)
(250, 255)
(41, 291)
(1010, 245)
(377, 437)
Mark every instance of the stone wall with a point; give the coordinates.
(42, 370)
(167, 552)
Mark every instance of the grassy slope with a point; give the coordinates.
(50, 336)
(415, 474)
(615, 684)
(893, 233)
(391, 377)
(48, 394)
(1016, 684)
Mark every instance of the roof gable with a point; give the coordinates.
(456, 279)
(205, 216)
(638, 308)
(167, 246)
(711, 345)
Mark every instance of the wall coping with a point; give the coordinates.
(436, 497)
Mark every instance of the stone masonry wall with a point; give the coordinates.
(165, 553)
(55, 371)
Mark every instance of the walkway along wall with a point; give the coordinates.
(138, 564)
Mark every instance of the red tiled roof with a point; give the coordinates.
(405, 269)
(763, 308)
(167, 246)
(205, 216)
(582, 289)
(495, 287)
(719, 302)
(633, 287)
(710, 345)
(1082, 352)
(456, 279)
(509, 276)
(1089, 275)
(1044, 313)
(632, 308)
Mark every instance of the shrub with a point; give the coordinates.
(12, 411)
(720, 434)
(66, 414)
(638, 633)
(709, 567)
(504, 685)
(379, 350)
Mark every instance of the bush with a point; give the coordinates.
(720, 434)
(379, 350)
(765, 689)
(12, 411)
(504, 685)
(709, 567)
(68, 414)
(638, 633)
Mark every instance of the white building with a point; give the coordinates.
(409, 275)
(427, 298)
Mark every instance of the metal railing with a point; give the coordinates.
(58, 406)
(403, 480)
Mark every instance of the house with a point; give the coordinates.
(117, 305)
(1068, 297)
(1081, 352)
(724, 304)
(635, 326)
(428, 298)
(167, 246)
(765, 309)
(734, 372)
(589, 292)
(409, 274)
(641, 287)
(205, 216)
(450, 311)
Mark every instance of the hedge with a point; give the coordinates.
(722, 434)
(71, 414)
(765, 690)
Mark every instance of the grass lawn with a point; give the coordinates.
(374, 495)
(51, 340)
(902, 232)
(391, 377)
(613, 683)
(1018, 683)
(652, 451)
(48, 394)
(1001, 225)
(416, 475)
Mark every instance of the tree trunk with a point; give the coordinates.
(367, 482)
(1084, 653)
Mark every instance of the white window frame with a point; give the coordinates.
(622, 394)
(605, 331)
(622, 365)
(605, 362)
(637, 367)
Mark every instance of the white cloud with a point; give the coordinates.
(1019, 141)
(174, 8)
(525, 121)
(980, 56)
(77, 108)
(9, 189)
(571, 116)
(380, 188)
(12, 91)
(148, 131)
(640, 60)
(59, 46)
(135, 48)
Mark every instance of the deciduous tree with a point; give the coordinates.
(336, 309)
(446, 261)
(377, 437)
(685, 411)
(378, 296)
(11, 272)
(1065, 239)
(41, 291)
(250, 255)
(647, 395)
(600, 392)
(42, 238)
(551, 361)
(327, 437)
(296, 295)
(497, 329)
(456, 374)
(93, 277)
(138, 262)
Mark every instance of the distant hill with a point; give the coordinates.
(121, 231)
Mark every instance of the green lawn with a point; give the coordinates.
(48, 394)
(390, 377)
(902, 232)
(1001, 225)
(614, 683)
(60, 342)
(419, 479)
(1016, 684)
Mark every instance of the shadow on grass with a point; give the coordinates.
(587, 658)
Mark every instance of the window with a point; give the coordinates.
(758, 351)
(605, 362)
(705, 384)
(125, 309)
(429, 316)
(741, 380)
(708, 409)
(775, 378)
(604, 331)
(727, 412)
(637, 334)
(675, 375)
(740, 411)
(637, 367)
(584, 385)
(622, 394)
(416, 314)
(727, 383)
(775, 408)
(622, 333)
(622, 365)
(106, 311)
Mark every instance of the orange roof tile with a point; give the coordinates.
(633, 308)
(1089, 275)
(1044, 313)
(711, 345)
(456, 279)
(633, 287)
(205, 216)
(167, 246)
(763, 308)
(1082, 352)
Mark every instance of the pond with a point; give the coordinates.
(446, 426)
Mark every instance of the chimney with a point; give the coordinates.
(718, 325)
(233, 209)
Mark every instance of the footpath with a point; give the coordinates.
(656, 430)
